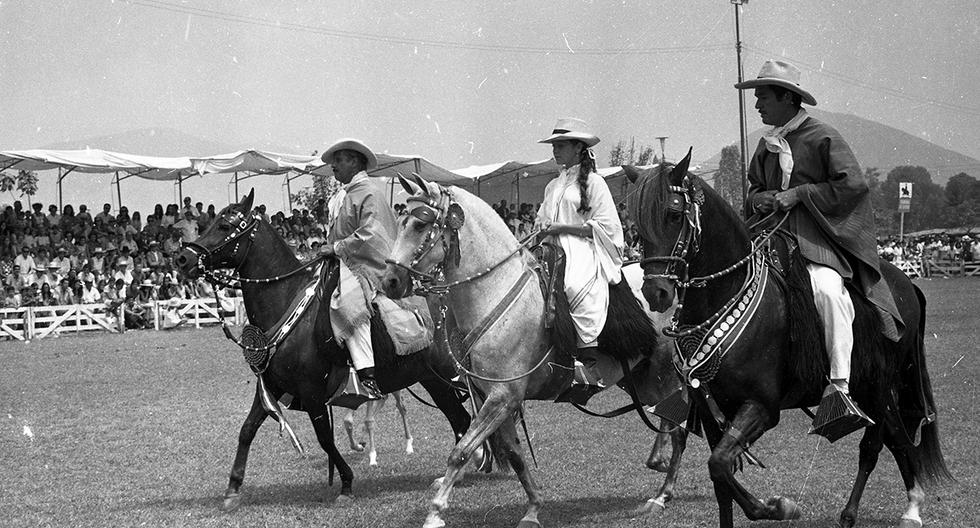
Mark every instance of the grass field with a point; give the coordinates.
(140, 430)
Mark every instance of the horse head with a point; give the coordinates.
(666, 206)
(427, 240)
(224, 243)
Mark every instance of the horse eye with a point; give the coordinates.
(420, 226)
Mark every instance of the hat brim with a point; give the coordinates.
(356, 146)
(766, 81)
(588, 139)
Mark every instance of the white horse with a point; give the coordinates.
(482, 285)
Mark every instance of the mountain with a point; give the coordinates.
(884, 147)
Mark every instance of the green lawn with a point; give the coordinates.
(140, 430)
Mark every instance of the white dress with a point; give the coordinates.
(591, 264)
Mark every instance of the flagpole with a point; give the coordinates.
(741, 99)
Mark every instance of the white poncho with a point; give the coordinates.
(591, 264)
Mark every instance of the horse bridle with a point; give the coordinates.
(243, 225)
(440, 215)
(686, 200)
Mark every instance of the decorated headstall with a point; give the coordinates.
(445, 217)
(242, 224)
(685, 200)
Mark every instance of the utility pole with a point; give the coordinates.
(741, 98)
(663, 142)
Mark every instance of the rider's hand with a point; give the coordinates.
(787, 199)
(326, 250)
(764, 202)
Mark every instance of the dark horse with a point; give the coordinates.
(765, 370)
(308, 363)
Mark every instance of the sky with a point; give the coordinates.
(461, 82)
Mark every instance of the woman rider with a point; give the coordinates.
(579, 214)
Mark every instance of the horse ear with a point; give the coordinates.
(680, 170)
(632, 173)
(246, 204)
(408, 185)
(421, 182)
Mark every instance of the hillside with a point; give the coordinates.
(885, 147)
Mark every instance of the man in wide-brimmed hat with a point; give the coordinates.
(361, 228)
(805, 167)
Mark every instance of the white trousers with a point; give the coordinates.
(837, 314)
(359, 346)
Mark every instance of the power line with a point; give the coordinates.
(317, 30)
(819, 70)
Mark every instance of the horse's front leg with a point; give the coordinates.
(256, 415)
(499, 407)
(370, 411)
(749, 424)
(870, 448)
(323, 427)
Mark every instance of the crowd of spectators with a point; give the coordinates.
(939, 247)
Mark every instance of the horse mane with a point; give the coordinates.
(645, 203)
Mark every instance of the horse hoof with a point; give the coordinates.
(409, 449)
(358, 448)
(433, 521)
(436, 484)
(650, 507)
(344, 499)
(909, 523)
(784, 509)
(231, 503)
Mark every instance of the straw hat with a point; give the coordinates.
(779, 73)
(571, 128)
(147, 283)
(53, 265)
(351, 144)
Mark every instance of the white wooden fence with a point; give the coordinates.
(37, 322)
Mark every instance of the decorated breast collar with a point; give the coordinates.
(698, 355)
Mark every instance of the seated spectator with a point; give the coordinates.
(11, 298)
(90, 294)
(187, 227)
(47, 297)
(64, 294)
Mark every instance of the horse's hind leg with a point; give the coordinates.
(403, 412)
(349, 420)
(870, 448)
(499, 407)
(323, 427)
(506, 439)
(916, 494)
(372, 409)
(256, 415)
(678, 441)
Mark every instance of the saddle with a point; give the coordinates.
(628, 334)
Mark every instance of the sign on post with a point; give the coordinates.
(904, 197)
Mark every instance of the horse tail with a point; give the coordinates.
(929, 463)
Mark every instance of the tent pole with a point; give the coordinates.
(289, 194)
(118, 190)
(236, 187)
(180, 191)
(61, 206)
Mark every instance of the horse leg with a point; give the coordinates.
(403, 412)
(505, 437)
(499, 407)
(324, 434)
(749, 424)
(678, 442)
(869, 450)
(349, 428)
(256, 415)
(369, 418)
(916, 494)
(657, 460)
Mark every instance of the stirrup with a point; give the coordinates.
(584, 385)
(838, 416)
(355, 392)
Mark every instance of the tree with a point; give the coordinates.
(728, 179)
(621, 154)
(928, 199)
(323, 188)
(25, 182)
(961, 188)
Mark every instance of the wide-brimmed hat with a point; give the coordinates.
(351, 144)
(568, 128)
(53, 265)
(779, 73)
(98, 250)
(147, 283)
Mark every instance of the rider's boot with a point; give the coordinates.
(369, 384)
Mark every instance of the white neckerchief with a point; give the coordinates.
(776, 143)
(333, 206)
